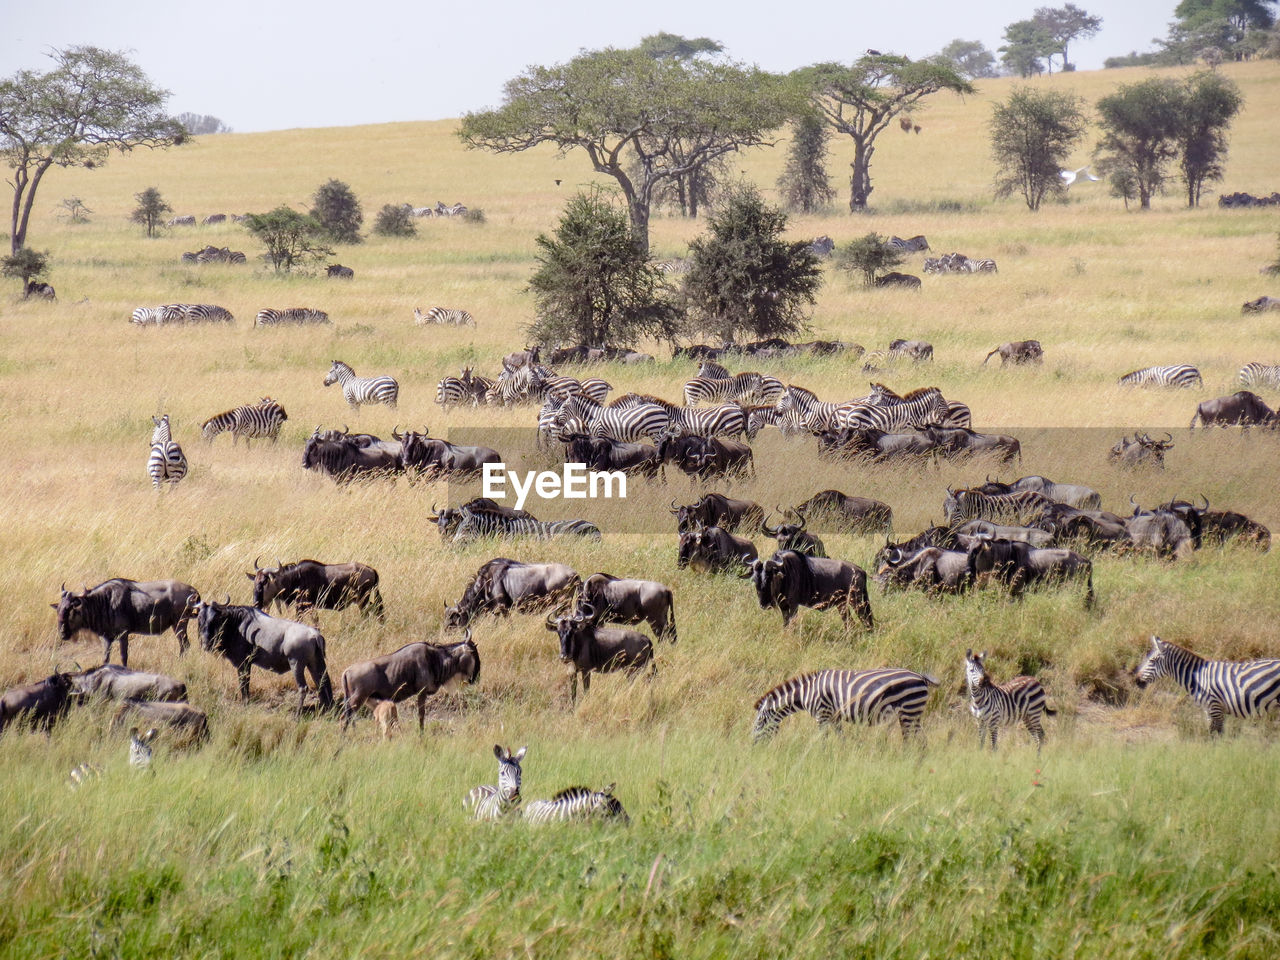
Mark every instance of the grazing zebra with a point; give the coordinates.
(627, 424)
(459, 318)
(726, 420)
(1242, 688)
(577, 803)
(556, 388)
(815, 414)
(140, 748)
(993, 704)
(252, 421)
(496, 803)
(476, 525)
(983, 265)
(358, 390)
(1177, 375)
(166, 462)
(154, 316)
(467, 387)
(832, 696)
(918, 408)
(913, 245)
(1023, 507)
(269, 317)
(206, 313)
(1260, 375)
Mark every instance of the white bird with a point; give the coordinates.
(1069, 176)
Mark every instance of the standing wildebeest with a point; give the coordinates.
(717, 510)
(790, 580)
(792, 536)
(307, 584)
(630, 601)
(1141, 451)
(848, 514)
(416, 669)
(1018, 564)
(42, 702)
(713, 549)
(593, 649)
(337, 271)
(423, 454)
(1018, 352)
(1241, 409)
(118, 607)
(247, 637)
(113, 682)
(346, 457)
(932, 569)
(501, 585)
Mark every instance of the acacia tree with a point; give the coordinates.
(594, 284)
(620, 105)
(92, 102)
(291, 237)
(744, 278)
(1027, 48)
(861, 100)
(1140, 123)
(1064, 25)
(337, 209)
(1211, 102)
(804, 182)
(970, 58)
(869, 256)
(1032, 135)
(150, 210)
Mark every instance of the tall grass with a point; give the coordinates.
(1130, 836)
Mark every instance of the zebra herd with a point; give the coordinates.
(958, 263)
(181, 313)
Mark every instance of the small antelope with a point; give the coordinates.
(388, 717)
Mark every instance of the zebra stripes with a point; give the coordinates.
(742, 388)
(495, 803)
(447, 315)
(577, 803)
(556, 388)
(1260, 375)
(270, 317)
(1177, 375)
(520, 384)
(254, 421)
(710, 370)
(993, 704)
(816, 415)
(166, 463)
(1242, 688)
(916, 409)
(1022, 507)
(468, 388)
(481, 524)
(832, 696)
(913, 245)
(627, 424)
(181, 313)
(358, 390)
(140, 748)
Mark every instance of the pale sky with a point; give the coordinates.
(278, 64)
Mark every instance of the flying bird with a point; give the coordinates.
(1069, 176)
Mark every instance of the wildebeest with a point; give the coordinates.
(448, 519)
(1141, 451)
(1018, 352)
(793, 536)
(951, 442)
(247, 637)
(1242, 409)
(118, 607)
(917, 350)
(848, 514)
(339, 272)
(1017, 565)
(1261, 304)
(501, 585)
(717, 510)
(790, 580)
(306, 584)
(895, 279)
(618, 600)
(594, 649)
(1219, 526)
(346, 458)
(875, 445)
(113, 682)
(706, 457)
(713, 550)
(40, 290)
(416, 669)
(1088, 527)
(932, 569)
(1073, 494)
(602, 453)
(1162, 532)
(423, 454)
(41, 703)
(822, 246)
(180, 716)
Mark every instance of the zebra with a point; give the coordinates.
(556, 388)
(270, 317)
(478, 524)
(958, 414)
(1176, 375)
(832, 696)
(206, 313)
(993, 704)
(154, 316)
(815, 414)
(1023, 507)
(466, 388)
(726, 420)
(1242, 688)
(759, 417)
(577, 803)
(674, 267)
(913, 245)
(917, 408)
(983, 265)
(166, 462)
(710, 370)
(627, 424)
(459, 318)
(739, 388)
(140, 748)
(358, 390)
(519, 384)
(257, 421)
(496, 803)
(1260, 375)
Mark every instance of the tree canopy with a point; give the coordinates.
(291, 238)
(92, 102)
(1140, 122)
(861, 100)
(1064, 25)
(338, 210)
(665, 45)
(970, 58)
(1027, 48)
(1032, 135)
(673, 115)
(1211, 102)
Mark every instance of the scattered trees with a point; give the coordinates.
(74, 210)
(1026, 50)
(201, 124)
(870, 256)
(1064, 25)
(93, 101)
(1032, 135)
(744, 278)
(594, 283)
(1212, 29)
(338, 211)
(291, 238)
(804, 183)
(1211, 103)
(395, 220)
(616, 105)
(969, 58)
(1047, 34)
(150, 210)
(861, 100)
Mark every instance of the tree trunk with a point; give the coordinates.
(638, 210)
(860, 181)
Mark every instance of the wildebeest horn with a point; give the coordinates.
(1206, 502)
(466, 635)
(426, 430)
(767, 530)
(345, 429)
(227, 602)
(256, 567)
(551, 620)
(395, 432)
(279, 564)
(674, 508)
(63, 588)
(800, 514)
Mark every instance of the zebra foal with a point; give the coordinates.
(1242, 688)
(166, 463)
(993, 704)
(358, 390)
(577, 803)
(492, 803)
(832, 696)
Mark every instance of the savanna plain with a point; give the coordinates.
(1130, 835)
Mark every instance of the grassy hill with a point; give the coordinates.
(1130, 836)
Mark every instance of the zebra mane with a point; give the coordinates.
(650, 398)
(921, 392)
(573, 793)
(803, 391)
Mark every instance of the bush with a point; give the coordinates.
(337, 210)
(474, 215)
(869, 256)
(150, 210)
(292, 238)
(395, 220)
(25, 265)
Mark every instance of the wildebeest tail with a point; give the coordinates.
(990, 355)
(671, 618)
(324, 686)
